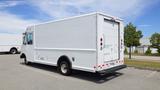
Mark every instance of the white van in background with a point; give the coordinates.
(10, 43)
(91, 42)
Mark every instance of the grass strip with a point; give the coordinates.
(143, 64)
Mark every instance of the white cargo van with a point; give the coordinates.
(91, 42)
(10, 43)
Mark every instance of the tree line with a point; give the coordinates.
(132, 38)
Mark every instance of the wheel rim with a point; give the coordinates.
(64, 68)
(13, 51)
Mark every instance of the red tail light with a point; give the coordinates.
(121, 43)
(101, 43)
(101, 39)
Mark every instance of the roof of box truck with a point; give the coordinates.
(100, 13)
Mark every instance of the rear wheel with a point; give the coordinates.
(64, 68)
(13, 51)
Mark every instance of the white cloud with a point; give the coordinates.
(13, 24)
(9, 3)
(121, 8)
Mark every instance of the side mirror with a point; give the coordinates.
(24, 35)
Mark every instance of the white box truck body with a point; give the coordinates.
(92, 42)
(10, 43)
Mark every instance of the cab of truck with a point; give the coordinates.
(28, 45)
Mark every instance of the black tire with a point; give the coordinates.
(26, 62)
(64, 68)
(13, 51)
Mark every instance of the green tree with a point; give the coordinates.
(155, 41)
(125, 51)
(131, 37)
(148, 52)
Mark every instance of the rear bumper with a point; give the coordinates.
(113, 69)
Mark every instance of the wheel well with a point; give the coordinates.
(13, 48)
(64, 58)
(22, 55)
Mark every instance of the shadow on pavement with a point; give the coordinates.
(7, 53)
(92, 77)
(4, 53)
(96, 78)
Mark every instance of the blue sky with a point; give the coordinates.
(16, 15)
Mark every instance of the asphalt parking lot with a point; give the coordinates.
(14, 75)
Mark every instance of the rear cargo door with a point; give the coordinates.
(111, 40)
